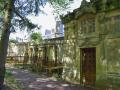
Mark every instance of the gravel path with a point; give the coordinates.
(30, 81)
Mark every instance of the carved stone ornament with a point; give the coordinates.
(101, 17)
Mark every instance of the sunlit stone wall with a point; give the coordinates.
(71, 60)
(105, 37)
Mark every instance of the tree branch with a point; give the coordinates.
(18, 14)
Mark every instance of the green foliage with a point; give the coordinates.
(8, 73)
(13, 41)
(36, 38)
(22, 9)
(60, 5)
(10, 81)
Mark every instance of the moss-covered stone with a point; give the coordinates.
(105, 38)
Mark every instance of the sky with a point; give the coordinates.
(46, 21)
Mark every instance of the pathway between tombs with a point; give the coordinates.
(30, 81)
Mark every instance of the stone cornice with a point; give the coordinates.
(88, 8)
(67, 18)
(92, 7)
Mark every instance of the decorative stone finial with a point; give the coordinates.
(83, 3)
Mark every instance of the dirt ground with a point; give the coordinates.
(30, 81)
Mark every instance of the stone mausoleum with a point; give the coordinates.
(92, 44)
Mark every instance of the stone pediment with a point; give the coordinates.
(85, 8)
(67, 18)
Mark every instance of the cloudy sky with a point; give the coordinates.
(47, 21)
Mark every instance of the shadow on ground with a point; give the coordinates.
(5, 87)
(30, 81)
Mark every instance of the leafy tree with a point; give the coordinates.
(13, 41)
(60, 5)
(36, 38)
(13, 14)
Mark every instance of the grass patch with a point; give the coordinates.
(11, 82)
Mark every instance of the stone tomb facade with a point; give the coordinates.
(92, 44)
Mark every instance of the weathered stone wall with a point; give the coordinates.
(71, 59)
(105, 38)
(108, 61)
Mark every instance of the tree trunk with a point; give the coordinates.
(5, 39)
